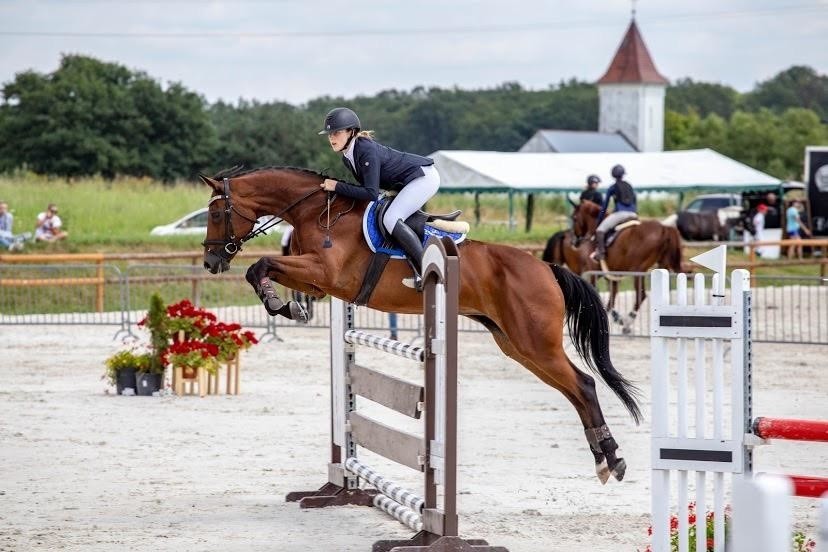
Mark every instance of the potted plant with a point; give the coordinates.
(121, 369)
(229, 338)
(186, 321)
(149, 375)
(190, 355)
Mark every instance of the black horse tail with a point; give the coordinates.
(589, 331)
(671, 251)
(553, 252)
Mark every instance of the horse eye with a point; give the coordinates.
(215, 215)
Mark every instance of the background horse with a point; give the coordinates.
(635, 249)
(707, 226)
(521, 300)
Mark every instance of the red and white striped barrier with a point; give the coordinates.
(791, 430)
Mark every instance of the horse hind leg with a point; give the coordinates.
(579, 389)
(602, 445)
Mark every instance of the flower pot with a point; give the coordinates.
(125, 379)
(147, 383)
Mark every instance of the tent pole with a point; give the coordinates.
(512, 223)
(477, 208)
(530, 211)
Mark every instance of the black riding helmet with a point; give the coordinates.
(593, 179)
(618, 171)
(340, 118)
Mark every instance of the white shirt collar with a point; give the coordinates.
(349, 152)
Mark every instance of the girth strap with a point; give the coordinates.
(372, 276)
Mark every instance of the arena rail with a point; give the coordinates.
(787, 309)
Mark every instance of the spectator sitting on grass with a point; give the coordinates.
(48, 225)
(7, 237)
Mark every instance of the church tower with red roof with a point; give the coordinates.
(631, 94)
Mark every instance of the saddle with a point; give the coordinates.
(424, 224)
(616, 230)
(420, 219)
(385, 248)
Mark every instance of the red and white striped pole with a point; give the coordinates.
(791, 430)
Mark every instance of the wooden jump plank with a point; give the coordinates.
(399, 446)
(389, 391)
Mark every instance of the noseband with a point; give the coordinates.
(230, 245)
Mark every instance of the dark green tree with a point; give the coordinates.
(686, 95)
(91, 117)
(798, 86)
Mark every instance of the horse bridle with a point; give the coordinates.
(231, 244)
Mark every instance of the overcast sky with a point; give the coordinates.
(296, 50)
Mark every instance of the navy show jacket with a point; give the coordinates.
(380, 167)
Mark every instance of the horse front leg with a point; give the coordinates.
(259, 277)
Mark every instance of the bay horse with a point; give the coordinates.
(561, 248)
(521, 300)
(635, 249)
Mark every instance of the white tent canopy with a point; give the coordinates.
(671, 171)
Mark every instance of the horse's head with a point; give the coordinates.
(584, 220)
(240, 197)
(229, 224)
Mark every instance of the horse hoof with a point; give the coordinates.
(273, 305)
(619, 469)
(603, 472)
(298, 312)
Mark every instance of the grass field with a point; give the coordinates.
(117, 216)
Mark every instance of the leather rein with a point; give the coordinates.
(231, 244)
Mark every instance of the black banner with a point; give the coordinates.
(816, 167)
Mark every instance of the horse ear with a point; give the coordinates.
(209, 181)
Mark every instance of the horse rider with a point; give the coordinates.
(591, 192)
(625, 209)
(376, 167)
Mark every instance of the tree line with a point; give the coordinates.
(91, 117)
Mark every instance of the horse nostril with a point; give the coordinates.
(206, 265)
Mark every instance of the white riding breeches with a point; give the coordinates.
(412, 197)
(286, 236)
(614, 219)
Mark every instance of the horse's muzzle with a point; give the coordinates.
(214, 263)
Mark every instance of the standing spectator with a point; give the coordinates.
(7, 237)
(759, 225)
(392, 325)
(591, 193)
(795, 227)
(49, 225)
(772, 216)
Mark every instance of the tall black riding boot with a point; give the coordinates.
(413, 247)
(600, 246)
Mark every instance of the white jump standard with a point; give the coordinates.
(680, 447)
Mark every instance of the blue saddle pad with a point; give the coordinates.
(375, 241)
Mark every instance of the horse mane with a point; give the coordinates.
(240, 170)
